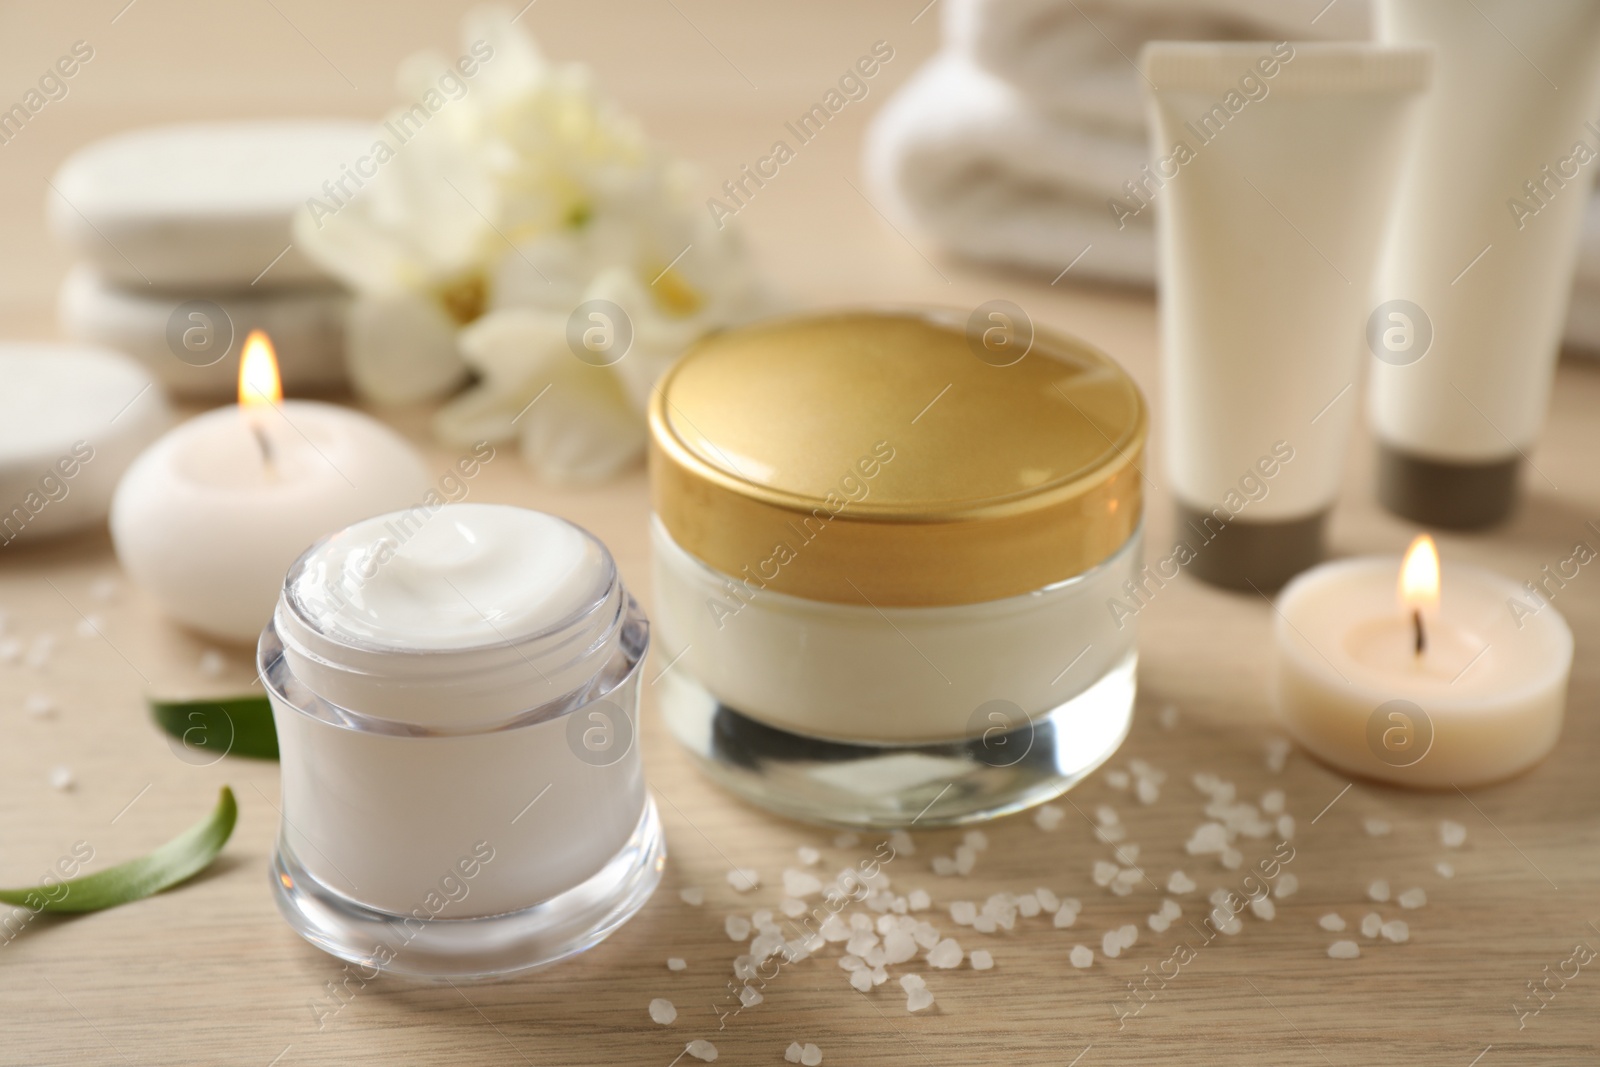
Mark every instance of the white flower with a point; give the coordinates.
(503, 201)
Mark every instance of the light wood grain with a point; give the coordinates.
(209, 974)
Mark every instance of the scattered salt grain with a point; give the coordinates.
(1104, 872)
(810, 1056)
(945, 954)
(898, 947)
(918, 999)
(39, 705)
(792, 1053)
(800, 884)
(1452, 834)
(1332, 922)
(1378, 890)
(1344, 950)
(1048, 817)
(1169, 717)
(1377, 827)
(846, 840)
(908, 982)
(793, 908)
(1128, 935)
(744, 879)
(966, 859)
(1106, 815)
(963, 912)
(737, 927)
(1232, 926)
(1028, 905)
(1412, 898)
(1286, 827)
(1065, 917)
(1264, 908)
(919, 900)
(1395, 930)
(1371, 924)
(674, 963)
(1231, 858)
(1110, 945)
(902, 844)
(701, 1050)
(1207, 837)
(1081, 956)
(1158, 923)
(1111, 834)
(1118, 779)
(749, 996)
(1445, 869)
(1272, 802)
(981, 960)
(976, 840)
(1179, 883)
(1288, 885)
(861, 980)
(662, 1011)
(1148, 791)
(694, 896)
(1047, 899)
(1277, 754)
(809, 857)
(62, 778)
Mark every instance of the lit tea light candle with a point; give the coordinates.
(1448, 680)
(209, 518)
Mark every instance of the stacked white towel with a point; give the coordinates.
(1007, 146)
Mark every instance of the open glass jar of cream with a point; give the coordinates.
(456, 691)
(884, 547)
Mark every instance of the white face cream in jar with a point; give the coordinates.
(887, 546)
(456, 696)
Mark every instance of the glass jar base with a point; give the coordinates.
(888, 786)
(474, 948)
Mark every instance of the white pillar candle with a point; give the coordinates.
(72, 417)
(210, 517)
(1478, 697)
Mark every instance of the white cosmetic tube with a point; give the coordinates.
(1483, 248)
(1273, 174)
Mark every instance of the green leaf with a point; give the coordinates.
(211, 729)
(178, 860)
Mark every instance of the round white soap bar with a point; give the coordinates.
(72, 418)
(207, 204)
(192, 344)
(209, 526)
(1482, 701)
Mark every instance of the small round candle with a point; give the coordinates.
(1420, 675)
(209, 518)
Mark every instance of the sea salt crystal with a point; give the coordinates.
(1272, 802)
(212, 663)
(944, 866)
(1344, 950)
(1065, 917)
(1128, 935)
(918, 999)
(810, 1056)
(1277, 754)
(1111, 945)
(1377, 827)
(846, 840)
(1378, 890)
(1232, 926)
(62, 778)
(1445, 869)
(1148, 792)
(1413, 898)
(1126, 879)
(793, 908)
(1264, 908)
(1207, 837)
(792, 1053)
(662, 1011)
(1332, 922)
(1048, 817)
(1288, 885)
(966, 859)
(692, 895)
(1286, 827)
(861, 980)
(1158, 923)
(1081, 956)
(744, 879)
(737, 927)
(1048, 901)
(702, 1050)
(982, 960)
(1395, 930)
(945, 954)
(1170, 910)
(1128, 854)
(963, 912)
(1452, 834)
(744, 967)
(1168, 717)
(800, 884)
(1371, 924)
(976, 840)
(1231, 858)
(919, 900)
(1106, 815)
(1111, 834)
(675, 963)
(749, 997)
(1104, 872)
(1118, 779)
(898, 947)
(908, 982)
(809, 857)
(1179, 883)
(39, 705)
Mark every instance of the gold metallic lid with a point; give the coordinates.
(896, 458)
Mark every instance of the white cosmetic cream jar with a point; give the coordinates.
(889, 548)
(456, 692)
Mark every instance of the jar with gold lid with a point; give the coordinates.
(886, 549)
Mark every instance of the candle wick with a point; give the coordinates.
(264, 443)
(1422, 638)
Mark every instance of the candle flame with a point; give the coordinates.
(258, 372)
(1419, 574)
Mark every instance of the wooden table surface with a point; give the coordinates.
(209, 974)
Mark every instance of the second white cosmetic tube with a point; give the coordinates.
(1273, 173)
